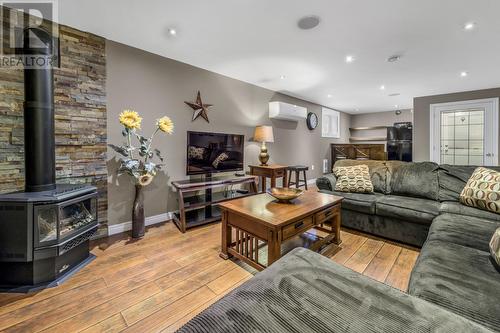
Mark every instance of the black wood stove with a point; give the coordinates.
(44, 230)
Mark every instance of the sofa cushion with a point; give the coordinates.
(358, 202)
(454, 207)
(452, 180)
(495, 248)
(306, 292)
(458, 278)
(353, 179)
(416, 180)
(463, 230)
(379, 173)
(482, 190)
(411, 209)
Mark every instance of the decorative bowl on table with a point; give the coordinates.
(284, 194)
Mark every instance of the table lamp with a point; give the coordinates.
(263, 134)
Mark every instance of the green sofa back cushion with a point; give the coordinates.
(419, 179)
(452, 180)
(379, 173)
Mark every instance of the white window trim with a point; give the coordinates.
(489, 104)
(334, 133)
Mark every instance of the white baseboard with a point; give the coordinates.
(150, 220)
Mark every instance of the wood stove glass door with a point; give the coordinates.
(77, 215)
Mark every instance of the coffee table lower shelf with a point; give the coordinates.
(259, 260)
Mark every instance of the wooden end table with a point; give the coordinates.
(259, 220)
(273, 171)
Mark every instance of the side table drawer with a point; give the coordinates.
(326, 214)
(279, 173)
(297, 228)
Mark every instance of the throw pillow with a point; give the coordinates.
(495, 247)
(196, 153)
(220, 158)
(482, 190)
(353, 179)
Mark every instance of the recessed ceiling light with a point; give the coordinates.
(464, 74)
(349, 59)
(396, 106)
(172, 32)
(282, 77)
(469, 26)
(329, 95)
(382, 87)
(356, 110)
(393, 58)
(308, 22)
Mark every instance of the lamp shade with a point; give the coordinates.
(263, 134)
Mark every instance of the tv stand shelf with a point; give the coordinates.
(199, 209)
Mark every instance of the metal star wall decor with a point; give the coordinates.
(199, 108)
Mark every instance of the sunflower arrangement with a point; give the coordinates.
(139, 161)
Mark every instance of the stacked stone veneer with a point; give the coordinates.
(80, 117)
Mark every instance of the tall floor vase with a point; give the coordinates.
(138, 226)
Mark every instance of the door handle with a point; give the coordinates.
(489, 154)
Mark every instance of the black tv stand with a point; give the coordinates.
(199, 209)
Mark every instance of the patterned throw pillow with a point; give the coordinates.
(482, 190)
(220, 158)
(196, 153)
(353, 179)
(495, 247)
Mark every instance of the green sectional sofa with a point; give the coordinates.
(454, 286)
(407, 198)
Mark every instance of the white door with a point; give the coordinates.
(465, 133)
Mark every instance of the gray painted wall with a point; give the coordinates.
(155, 86)
(387, 118)
(421, 114)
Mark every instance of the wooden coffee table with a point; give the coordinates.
(260, 220)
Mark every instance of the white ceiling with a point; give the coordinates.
(258, 41)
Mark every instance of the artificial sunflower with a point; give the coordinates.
(165, 124)
(145, 180)
(130, 119)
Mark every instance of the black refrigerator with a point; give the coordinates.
(399, 142)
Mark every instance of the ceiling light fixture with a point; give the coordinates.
(282, 77)
(308, 22)
(382, 87)
(349, 59)
(396, 106)
(329, 95)
(394, 94)
(172, 32)
(464, 74)
(469, 26)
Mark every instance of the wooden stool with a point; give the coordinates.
(297, 169)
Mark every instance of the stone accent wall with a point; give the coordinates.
(80, 118)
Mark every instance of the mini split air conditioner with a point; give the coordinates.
(285, 111)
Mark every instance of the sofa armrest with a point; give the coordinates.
(326, 182)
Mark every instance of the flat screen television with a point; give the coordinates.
(209, 153)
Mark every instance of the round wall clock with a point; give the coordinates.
(312, 120)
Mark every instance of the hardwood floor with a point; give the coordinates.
(160, 282)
